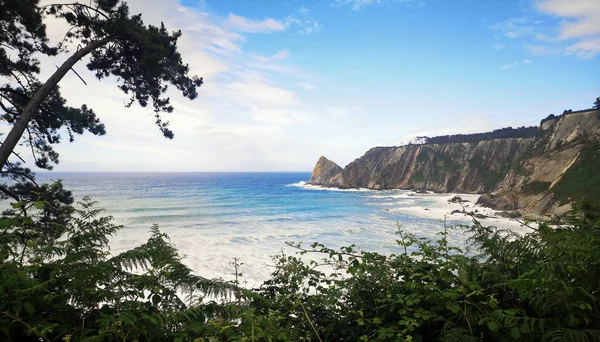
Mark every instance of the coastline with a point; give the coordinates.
(440, 209)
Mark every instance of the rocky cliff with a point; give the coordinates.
(560, 167)
(543, 174)
(324, 172)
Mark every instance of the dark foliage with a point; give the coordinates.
(22, 33)
(542, 286)
(143, 58)
(503, 133)
(54, 115)
(67, 287)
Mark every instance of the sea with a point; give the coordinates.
(213, 218)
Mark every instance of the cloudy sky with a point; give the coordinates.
(287, 81)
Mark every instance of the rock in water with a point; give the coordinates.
(324, 172)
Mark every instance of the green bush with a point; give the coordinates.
(539, 287)
(70, 288)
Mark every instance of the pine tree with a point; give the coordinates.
(144, 58)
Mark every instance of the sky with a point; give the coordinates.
(287, 81)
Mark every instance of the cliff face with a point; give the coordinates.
(530, 174)
(324, 172)
(561, 167)
(461, 167)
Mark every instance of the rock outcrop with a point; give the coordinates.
(324, 172)
(535, 175)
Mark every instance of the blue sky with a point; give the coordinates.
(288, 81)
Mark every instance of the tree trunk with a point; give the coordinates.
(13, 137)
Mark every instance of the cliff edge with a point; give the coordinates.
(544, 173)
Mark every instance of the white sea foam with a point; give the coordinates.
(304, 185)
(211, 233)
(300, 184)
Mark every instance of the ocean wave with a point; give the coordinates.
(402, 195)
(305, 186)
(300, 184)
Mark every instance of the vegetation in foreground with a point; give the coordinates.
(543, 286)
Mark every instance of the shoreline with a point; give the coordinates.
(441, 207)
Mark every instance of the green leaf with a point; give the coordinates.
(493, 326)
(17, 205)
(39, 205)
(515, 333)
(29, 309)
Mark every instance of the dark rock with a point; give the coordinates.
(457, 199)
(486, 200)
(510, 214)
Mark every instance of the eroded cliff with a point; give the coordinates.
(324, 172)
(561, 167)
(543, 174)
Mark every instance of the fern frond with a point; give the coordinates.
(572, 335)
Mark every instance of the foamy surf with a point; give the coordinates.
(304, 185)
(212, 218)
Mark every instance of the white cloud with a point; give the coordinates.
(573, 30)
(278, 56)
(538, 49)
(358, 4)
(239, 23)
(305, 26)
(280, 116)
(516, 27)
(514, 64)
(585, 48)
(306, 85)
(580, 22)
(303, 21)
(343, 111)
(262, 93)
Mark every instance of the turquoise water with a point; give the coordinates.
(214, 217)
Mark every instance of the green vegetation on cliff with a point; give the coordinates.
(582, 179)
(502, 133)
